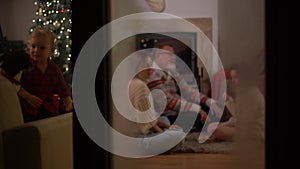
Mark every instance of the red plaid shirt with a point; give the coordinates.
(44, 86)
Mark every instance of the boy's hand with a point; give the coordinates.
(68, 104)
(69, 107)
(34, 101)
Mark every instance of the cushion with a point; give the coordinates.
(10, 108)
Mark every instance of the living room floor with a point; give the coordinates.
(176, 161)
(188, 161)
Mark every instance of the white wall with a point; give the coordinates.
(180, 8)
(16, 17)
(196, 9)
(241, 30)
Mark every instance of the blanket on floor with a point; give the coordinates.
(191, 145)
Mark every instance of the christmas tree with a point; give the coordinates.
(56, 14)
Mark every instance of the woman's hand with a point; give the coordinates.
(175, 127)
(156, 129)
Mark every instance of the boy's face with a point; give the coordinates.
(40, 49)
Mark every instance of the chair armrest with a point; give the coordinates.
(41, 144)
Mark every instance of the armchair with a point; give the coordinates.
(41, 144)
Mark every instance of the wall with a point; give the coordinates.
(241, 30)
(16, 17)
(180, 8)
(192, 10)
(196, 9)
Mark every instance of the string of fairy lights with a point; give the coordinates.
(56, 15)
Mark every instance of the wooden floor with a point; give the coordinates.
(187, 161)
(175, 161)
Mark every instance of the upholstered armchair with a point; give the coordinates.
(42, 144)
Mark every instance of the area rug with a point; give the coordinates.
(191, 145)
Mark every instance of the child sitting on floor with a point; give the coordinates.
(236, 104)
